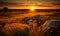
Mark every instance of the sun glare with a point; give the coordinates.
(32, 8)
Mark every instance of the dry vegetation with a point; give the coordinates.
(13, 25)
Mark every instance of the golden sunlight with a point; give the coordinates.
(32, 8)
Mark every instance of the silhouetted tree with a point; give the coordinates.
(5, 9)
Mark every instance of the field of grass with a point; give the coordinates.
(24, 24)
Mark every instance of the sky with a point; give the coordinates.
(32, 2)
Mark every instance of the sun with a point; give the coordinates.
(32, 8)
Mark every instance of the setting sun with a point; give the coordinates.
(32, 8)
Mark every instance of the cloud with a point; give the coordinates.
(9, 3)
(43, 3)
(55, 4)
(24, 1)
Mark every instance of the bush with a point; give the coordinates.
(16, 30)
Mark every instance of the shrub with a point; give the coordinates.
(16, 30)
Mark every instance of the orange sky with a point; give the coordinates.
(27, 6)
(36, 7)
